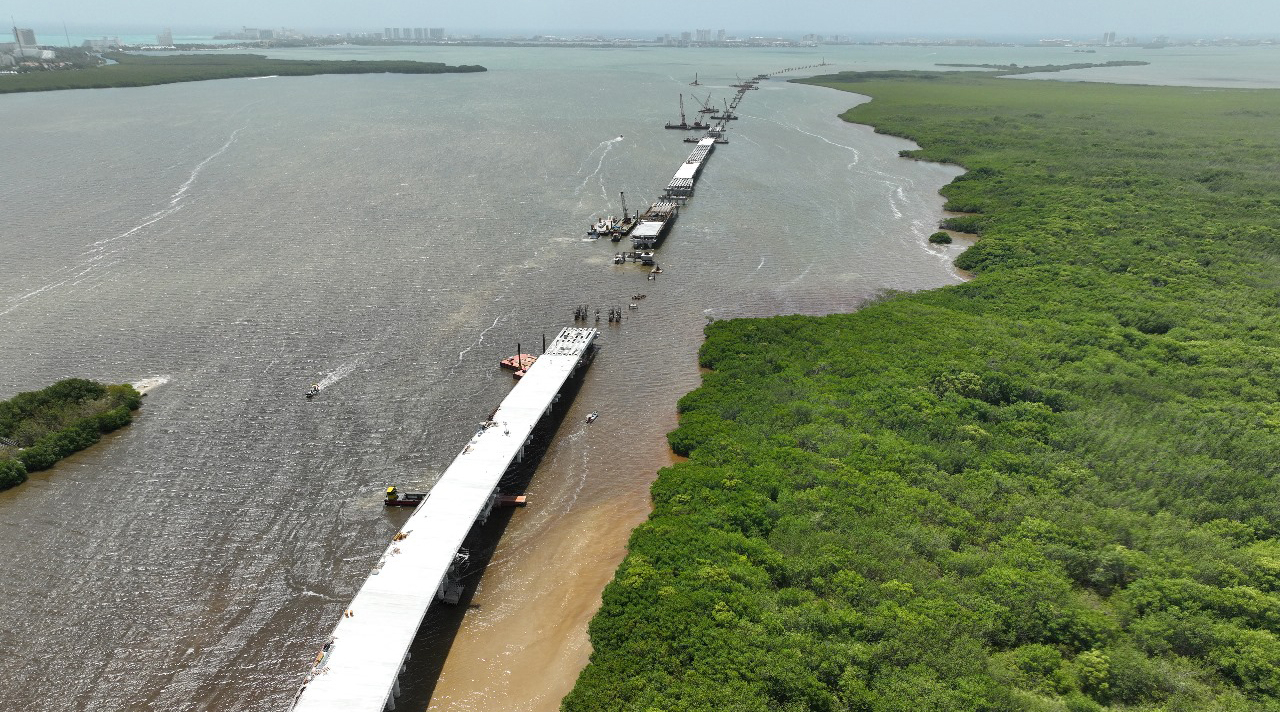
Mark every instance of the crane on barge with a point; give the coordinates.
(628, 222)
(684, 124)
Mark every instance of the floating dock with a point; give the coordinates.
(359, 668)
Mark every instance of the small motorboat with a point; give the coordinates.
(315, 391)
(592, 418)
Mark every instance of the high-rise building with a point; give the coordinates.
(419, 34)
(408, 33)
(24, 37)
(102, 44)
(165, 39)
(1108, 38)
(704, 35)
(387, 33)
(685, 37)
(436, 33)
(719, 35)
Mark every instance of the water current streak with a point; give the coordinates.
(96, 252)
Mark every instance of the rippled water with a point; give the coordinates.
(390, 237)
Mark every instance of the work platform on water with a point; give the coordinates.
(681, 185)
(358, 670)
(650, 228)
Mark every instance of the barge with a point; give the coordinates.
(654, 225)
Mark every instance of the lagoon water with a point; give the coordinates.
(390, 237)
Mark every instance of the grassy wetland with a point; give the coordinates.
(1053, 487)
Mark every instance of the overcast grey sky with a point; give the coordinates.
(643, 18)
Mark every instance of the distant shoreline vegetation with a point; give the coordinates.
(1028, 69)
(132, 70)
(39, 428)
(1001, 70)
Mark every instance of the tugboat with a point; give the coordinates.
(592, 418)
(408, 499)
(603, 226)
(315, 391)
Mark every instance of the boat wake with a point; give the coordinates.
(146, 385)
(337, 374)
(96, 254)
(175, 200)
(606, 145)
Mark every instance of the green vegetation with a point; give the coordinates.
(1053, 487)
(940, 238)
(38, 428)
(1015, 69)
(137, 71)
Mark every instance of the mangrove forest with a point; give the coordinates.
(132, 70)
(1052, 487)
(38, 428)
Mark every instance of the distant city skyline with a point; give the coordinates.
(932, 18)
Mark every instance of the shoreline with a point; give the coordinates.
(897, 503)
(524, 644)
(132, 70)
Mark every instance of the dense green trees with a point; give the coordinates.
(38, 428)
(1053, 487)
(137, 70)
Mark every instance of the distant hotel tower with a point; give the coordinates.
(24, 37)
(165, 39)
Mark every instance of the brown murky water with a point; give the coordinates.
(391, 237)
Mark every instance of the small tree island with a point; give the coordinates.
(38, 428)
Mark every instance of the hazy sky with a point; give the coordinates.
(644, 18)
